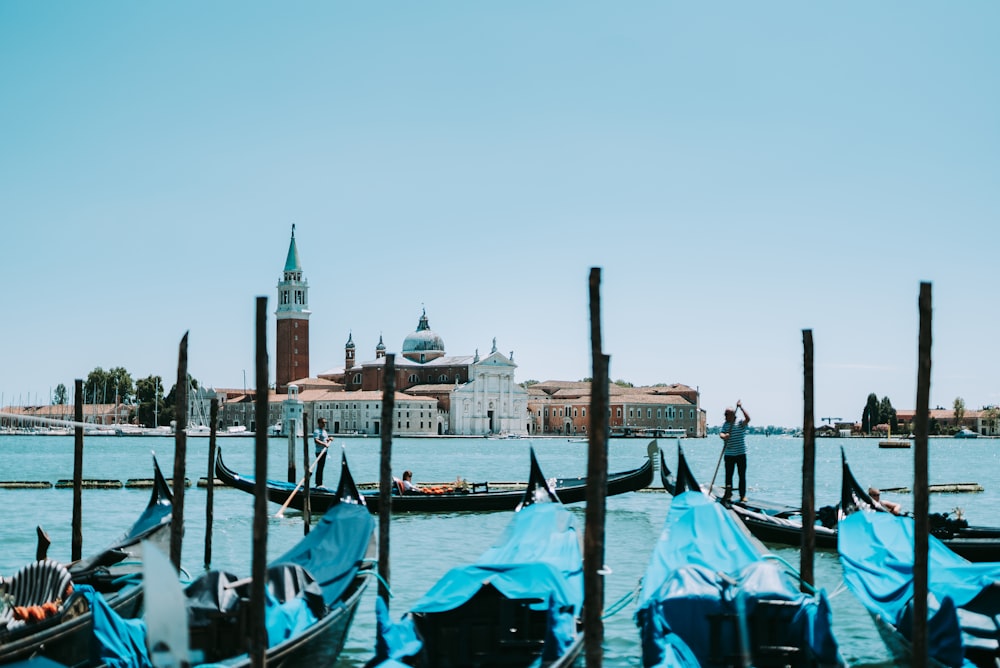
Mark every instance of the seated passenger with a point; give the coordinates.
(406, 484)
(891, 506)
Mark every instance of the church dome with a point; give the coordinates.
(424, 340)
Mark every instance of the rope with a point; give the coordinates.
(624, 601)
(791, 571)
(378, 577)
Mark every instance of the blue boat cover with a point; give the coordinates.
(704, 568)
(334, 550)
(118, 642)
(876, 551)
(538, 557)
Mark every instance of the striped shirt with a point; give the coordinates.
(736, 443)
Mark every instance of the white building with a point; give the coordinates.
(491, 402)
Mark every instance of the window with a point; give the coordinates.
(658, 416)
(649, 412)
(357, 380)
(442, 378)
(583, 412)
(619, 412)
(413, 378)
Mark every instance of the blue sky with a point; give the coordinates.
(739, 171)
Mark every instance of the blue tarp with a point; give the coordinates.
(537, 557)
(876, 551)
(704, 568)
(118, 642)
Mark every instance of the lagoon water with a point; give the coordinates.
(423, 547)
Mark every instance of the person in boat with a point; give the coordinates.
(891, 506)
(735, 449)
(321, 443)
(406, 485)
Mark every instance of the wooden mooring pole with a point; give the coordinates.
(77, 537)
(210, 481)
(385, 477)
(180, 454)
(258, 627)
(306, 498)
(806, 558)
(597, 487)
(921, 498)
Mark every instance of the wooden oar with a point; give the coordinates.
(281, 511)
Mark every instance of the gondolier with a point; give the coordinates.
(322, 441)
(734, 434)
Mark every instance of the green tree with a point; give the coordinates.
(106, 387)
(959, 406)
(149, 400)
(623, 383)
(887, 414)
(528, 383)
(59, 398)
(869, 417)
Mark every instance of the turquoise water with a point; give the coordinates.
(423, 547)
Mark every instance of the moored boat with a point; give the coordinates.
(519, 604)
(712, 595)
(316, 587)
(473, 497)
(877, 554)
(778, 523)
(110, 579)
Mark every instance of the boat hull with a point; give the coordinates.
(569, 490)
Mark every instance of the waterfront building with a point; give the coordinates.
(474, 396)
(561, 407)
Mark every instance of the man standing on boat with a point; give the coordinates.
(321, 441)
(734, 434)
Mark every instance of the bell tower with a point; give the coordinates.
(292, 316)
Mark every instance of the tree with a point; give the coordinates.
(149, 400)
(623, 383)
(59, 398)
(869, 417)
(959, 411)
(887, 414)
(105, 387)
(528, 383)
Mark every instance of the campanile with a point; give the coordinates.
(292, 316)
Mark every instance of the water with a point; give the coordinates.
(423, 547)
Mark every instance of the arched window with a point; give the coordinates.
(413, 378)
(443, 378)
(357, 379)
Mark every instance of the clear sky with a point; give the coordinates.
(740, 171)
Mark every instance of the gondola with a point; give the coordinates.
(110, 579)
(478, 498)
(877, 555)
(519, 604)
(313, 593)
(778, 523)
(712, 595)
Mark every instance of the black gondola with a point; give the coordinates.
(478, 497)
(779, 523)
(320, 580)
(963, 603)
(519, 604)
(115, 573)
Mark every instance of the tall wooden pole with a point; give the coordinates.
(385, 476)
(808, 468)
(921, 500)
(180, 453)
(210, 484)
(77, 538)
(307, 485)
(597, 486)
(258, 636)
